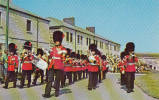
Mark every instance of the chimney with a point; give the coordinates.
(70, 20)
(91, 29)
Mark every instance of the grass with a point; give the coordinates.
(149, 84)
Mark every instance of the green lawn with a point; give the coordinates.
(149, 84)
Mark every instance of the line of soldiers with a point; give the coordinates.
(62, 64)
(128, 66)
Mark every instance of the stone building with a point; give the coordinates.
(23, 26)
(78, 39)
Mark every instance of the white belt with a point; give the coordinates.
(27, 61)
(131, 64)
(78, 66)
(56, 58)
(67, 65)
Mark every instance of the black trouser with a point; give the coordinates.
(79, 75)
(11, 75)
(49, 82)
(24, 74)
(58, 79)
(37, 72)
(84, 73)
(68, 76)
(123, 79)
(99, 76)
(74, 76)
(130, 76)
(93, 78)
(104, 74)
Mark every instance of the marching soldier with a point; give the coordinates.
(27, 66)
(39, 71)
(130, 60)
(99, 67)
(74, 68)
(12, 65)
(68, 67)
(78, 66)
(104, 64)
(56, 65)
(93, 67)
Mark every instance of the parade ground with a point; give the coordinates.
(109, 89)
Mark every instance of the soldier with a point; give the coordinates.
(78, 66)
(74, 69)
(122, 69)
(93, 67)
(39, 71)
(68, 67)
(83, 64)
(56, 64)
(104, 64)
(1, 68)
(99, 67)
(130, 60)
(12, 65)
(27, 66)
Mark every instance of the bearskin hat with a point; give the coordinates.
(58, 36)
(12, 48)
(98, 52)
(78, 56)
(28, 45)
(40, 51)
(68, 51)
(103, 57)
(93, 47)
(82, 56)
(122, 55)
(130, 46)
(73, 55)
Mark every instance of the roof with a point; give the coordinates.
(16, 8)
(56, 22)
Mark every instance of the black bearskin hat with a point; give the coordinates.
(78, 56)
(103, 57)
(130, 46)
(28, 45)
(98, 52)
(122, 55)
(73, 55)
(40, 51)
(82, 56)
(12, 48)
(93, 47)
(58, 36)
(68, 51)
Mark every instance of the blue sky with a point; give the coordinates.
(118, 20)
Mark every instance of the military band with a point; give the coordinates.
(65, 67)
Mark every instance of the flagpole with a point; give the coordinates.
(7, 25)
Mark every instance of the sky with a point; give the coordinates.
(121, 21)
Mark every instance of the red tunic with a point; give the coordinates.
(27, 63)
(94, 68)
(57, 58)
(68, 66)
(12, 63)
(104, 64)
(130, 64)
(121, 66)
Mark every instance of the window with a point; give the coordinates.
(67, 36)
(97, 43)
(87, 41)
(78, 39)
(78, 52)
(71, 37)
(29, 25)
(81, 39)
(94, 41)
(0, 18)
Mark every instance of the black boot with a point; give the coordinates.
(56, 93)
(46, 95)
